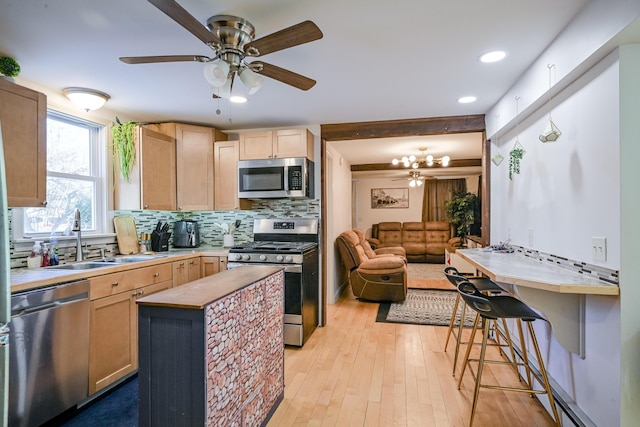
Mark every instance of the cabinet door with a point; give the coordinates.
(180, 273)
(23, 115)
(293, 143)
(256, 145)
(226, 156)
(194, 269)
(212, 265)
(158, 170)
(112, 340)
(194, 167)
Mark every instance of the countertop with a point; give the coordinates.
(200, 293)
(26, 279)
(524, 271)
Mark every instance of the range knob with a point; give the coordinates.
(289, 258)
(263, 257)
(246, 257)
(279, 258)
(238, 257)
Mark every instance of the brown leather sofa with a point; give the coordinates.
(422, 241)
(373, 277)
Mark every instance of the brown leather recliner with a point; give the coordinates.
(381, 278)
(372, 253)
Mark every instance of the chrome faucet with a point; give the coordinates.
(77, 229)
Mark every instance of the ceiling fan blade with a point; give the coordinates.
(176, 12)
(167, 58)
(298, 34)
(285, 76)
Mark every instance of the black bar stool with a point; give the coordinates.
(496, 307)
(483, 284)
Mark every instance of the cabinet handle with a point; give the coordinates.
(191, 262)
(44, 203)
(141, 293)
(134, 293)
(146, 206)
(114, 284)
(156, 274)
(222, 261)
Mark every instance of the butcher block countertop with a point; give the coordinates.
(25, 279)
(200, 293)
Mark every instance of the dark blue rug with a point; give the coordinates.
(117, 408)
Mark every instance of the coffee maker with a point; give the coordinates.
(186, 234)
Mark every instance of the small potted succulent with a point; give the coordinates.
(9, 68)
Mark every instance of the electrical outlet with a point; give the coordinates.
(599, 248)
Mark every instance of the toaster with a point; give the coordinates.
(186, 234)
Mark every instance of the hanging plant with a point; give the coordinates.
(9, 67)
(124, 153)
(515, 155)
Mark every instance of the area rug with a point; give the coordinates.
(423, 307)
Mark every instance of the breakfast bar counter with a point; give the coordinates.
(558, 292)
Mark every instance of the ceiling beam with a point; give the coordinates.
(400, 128)
(460, 163)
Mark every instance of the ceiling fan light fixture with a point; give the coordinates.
(445, 161)
(87, 99)
(216, 72)
(238, 99)
(252, 80)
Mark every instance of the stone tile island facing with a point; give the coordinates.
(211, 352)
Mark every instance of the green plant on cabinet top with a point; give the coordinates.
(124, 153)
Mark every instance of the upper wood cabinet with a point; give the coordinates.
(194, 163)
(226, 175)
(23, 116)
(280, 143)
(152, 182)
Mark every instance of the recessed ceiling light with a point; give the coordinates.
(467, 99)
(495, 56)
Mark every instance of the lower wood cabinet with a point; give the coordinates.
(113, 337)
(186, 270)
(212, 265)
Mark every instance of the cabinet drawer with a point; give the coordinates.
(111, 284)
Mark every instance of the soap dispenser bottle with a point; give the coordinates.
(35, 258)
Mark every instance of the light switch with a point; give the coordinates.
(599, 248)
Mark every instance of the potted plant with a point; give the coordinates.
(462, 209)
(124, 153)
(227, 231)
(515, 155)
(9, 67)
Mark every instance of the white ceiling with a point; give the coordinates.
(378, 60)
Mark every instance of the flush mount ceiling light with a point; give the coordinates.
(425, 161)
(87, 99)
(495, 56)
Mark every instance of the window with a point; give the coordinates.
(75, 178)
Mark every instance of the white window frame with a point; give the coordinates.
(99, 178)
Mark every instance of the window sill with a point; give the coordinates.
(65, 241)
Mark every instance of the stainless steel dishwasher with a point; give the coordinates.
(49, 352)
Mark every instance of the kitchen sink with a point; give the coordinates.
(131, 258)
(80, 266)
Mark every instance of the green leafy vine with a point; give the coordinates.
(515, 156)
(124, 153)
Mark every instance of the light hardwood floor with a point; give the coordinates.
(356, 372)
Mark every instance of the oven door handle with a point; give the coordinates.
(288, 268)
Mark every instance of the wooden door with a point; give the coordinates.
(158, 170)
(194, 167)
(226, 156)
(23, 115)
(256, 145)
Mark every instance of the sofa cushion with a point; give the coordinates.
(390, 234)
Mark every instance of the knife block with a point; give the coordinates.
(160, 241)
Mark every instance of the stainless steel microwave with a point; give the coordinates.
(275, 178)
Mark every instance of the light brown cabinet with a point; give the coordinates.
(280, 143)
(23, 115)
(194, 163)
(186, 270)
(212, 265)
(152, 183)
(226, 156)
(113, 338)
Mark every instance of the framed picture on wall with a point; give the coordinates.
(386, 198)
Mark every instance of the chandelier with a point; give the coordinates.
(427, 161)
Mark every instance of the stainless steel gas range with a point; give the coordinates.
(293, 245)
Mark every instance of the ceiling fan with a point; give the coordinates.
(232, 40)
(415, 179)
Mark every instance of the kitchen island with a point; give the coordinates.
(211, 352)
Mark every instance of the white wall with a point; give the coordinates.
(567, 193)
(338, 217)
